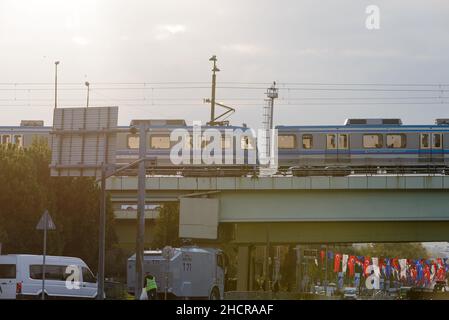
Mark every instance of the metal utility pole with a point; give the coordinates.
(102, 235)
(140, 238)
(44, 256)
(325, 270)
(88, 87)
(214, 80)
(272, 93)
(56, 84)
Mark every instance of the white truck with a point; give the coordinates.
(186, 272)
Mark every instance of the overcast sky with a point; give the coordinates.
(118, 41)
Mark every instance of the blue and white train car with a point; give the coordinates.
(364, 146)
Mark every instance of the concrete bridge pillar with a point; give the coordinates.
(243, 268)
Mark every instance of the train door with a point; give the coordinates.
(343, 148)
(424, 147)
(337, 148)
(436, 154)
(331, 153)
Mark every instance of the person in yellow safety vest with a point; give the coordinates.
(151, 287)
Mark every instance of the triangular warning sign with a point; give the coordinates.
(46, 219)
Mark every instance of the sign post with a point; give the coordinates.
(45, 223)
(83, 145)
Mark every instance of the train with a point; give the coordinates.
(359, 146)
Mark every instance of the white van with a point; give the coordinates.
(65, 277)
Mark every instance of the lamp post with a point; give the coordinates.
(56, 84)
(87, 84)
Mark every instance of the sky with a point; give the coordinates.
(151, 58)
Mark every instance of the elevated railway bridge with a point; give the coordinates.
(293, 210)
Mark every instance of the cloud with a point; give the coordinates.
(163, 32)
(81, 41)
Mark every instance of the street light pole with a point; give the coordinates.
(87, 85)
(102, 235)
(140, 212)
(56, 84)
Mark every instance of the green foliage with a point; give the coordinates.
(166, 230)
(394, 250)
(26, 190)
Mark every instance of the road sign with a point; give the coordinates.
(84, 140)
(45, 223)
(46, 220)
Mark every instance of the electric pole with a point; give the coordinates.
(212, 100)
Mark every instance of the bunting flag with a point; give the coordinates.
(376, 266)
(366, 264)
(419, 272)
(403, 266)
(344, 263)
(413, 273)
(387, 268)
(427, 274)
(351, 265)
(440, 263)
(441, 274)
(337, 262)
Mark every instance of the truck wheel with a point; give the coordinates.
(215, 294)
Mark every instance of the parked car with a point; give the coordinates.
(350, 293)
(65, 277)
(440, 286)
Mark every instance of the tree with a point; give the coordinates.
(27, 189)
(166, 230)
(394, 250)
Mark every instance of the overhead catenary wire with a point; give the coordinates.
(247, 104)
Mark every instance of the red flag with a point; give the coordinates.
(365, 266)
(351, 265)
(413, 273)
(441, 274)
(322, 254)
(427, 273)
(337, 259)
(440, 263)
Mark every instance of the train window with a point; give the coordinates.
(343, 141)
(372, 141)
(159, 142)
(287, 141)
(307, 141)
(425, 141)
(436, 140)
(331, 141)
(396, 140)
(6, 138)
(133, 141)
(247, 143)
(18, 140)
